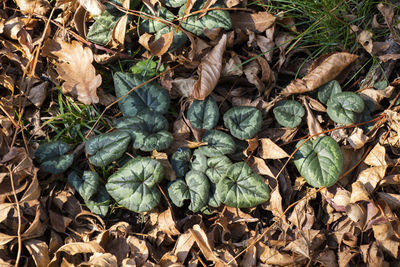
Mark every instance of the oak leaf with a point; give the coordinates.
(74, 65)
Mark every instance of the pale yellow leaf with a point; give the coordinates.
(269, 150)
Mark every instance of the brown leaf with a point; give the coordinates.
(102, 260)
(39, 7)
(313, 125)
(259, 166)
(183, 245)
(272, 256)
(303, 216)
(183, 86)
(166, 223)
(365, 39)
(251, 71)
(204, 243)
(377, 156)
(357, 139)
(93, 6)
(267, 44)
(269, 150)
(163, 159)
(327, 70)
(75, 248)
(252, 21)
(233, 66)
(157, 47)
(306, 243)
(39, 251)
(371, 177)
(209, 70)
(359, 193)
(377, 95)
(139, 250)
(75, 67)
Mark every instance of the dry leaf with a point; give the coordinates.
(204, 243)
(259, 166)
(371, 177)
(357, 139)
(102, 260)
(28, 7)
(269, 150)
(209, 70)
(183, 246)
(377, 156)
(359, 193)
(313, 125)
(267, 44)
(75, 67)
(377, 95)
(326, 71)
(272, 256)
(93, 6)
(157, 47)
(365, 39)
(252, 21)
(183, 86)
(39, 251)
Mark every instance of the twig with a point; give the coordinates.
(19, 218)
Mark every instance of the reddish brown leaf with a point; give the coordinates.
(252, 21)
(209, 70)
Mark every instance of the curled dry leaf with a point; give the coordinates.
(357, 139)
(39, 7)
(157, 47)
(74, 65)
(377, 156)
(259, 21)
(326, 71)
(204, 243)
(93, 6)
(313, 125)
(209, 70)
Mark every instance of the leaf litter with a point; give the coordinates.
(243, 61)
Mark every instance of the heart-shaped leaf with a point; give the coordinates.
(148, 131)
(289, 113)
(211, 19)
(243, 122)
(86, 185)
(105, 148)
(219, 143)
(319, 161)
(345, 107)
(153, 25)
(134, 186)
(148, 97)
(180, 161)
(242, 188)
(199, 161)
(95, 195)
(53, 158)
(213, 198)
(327, 90)
(195, 188)
(204, 114)
(217, 168)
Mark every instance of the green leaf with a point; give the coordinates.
(98, 203)
(152, 25)
(345, 107)
(88, 186)
(101, 30)
(243, 122)
(217, 168)
(180, 161)
(148, 131)
(105, 148)
(242, 188)
(145, 68)
(319, 161)
(148, 97)
(241, 146)
(213, 199)
(327, 90)
(178, 40)
(134, 186)
(195, 188)
(212, 19)
(289, 113)
(53, 158)
(203, 114)
(199, 161)
(174, 3)
(219, 143)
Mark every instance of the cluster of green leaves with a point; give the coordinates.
(160, 21)
(209, 177)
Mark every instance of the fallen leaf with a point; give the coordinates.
(259, 166)
(204, 244)
(157, 47)
(313, 125)
(209, 70)
(326, 71)
(272, 256)
(139, 250)
(377, 156)
(359, 193)
(39, 251)
(269, 150)
(357, 139)
(28, 7)
(73, 249)
(93, 6)
(102, 260)
(371, 177)
(75, 67)
(183, 245)
(259, 21)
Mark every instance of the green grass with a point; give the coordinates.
(73, 120)
(324, 26)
